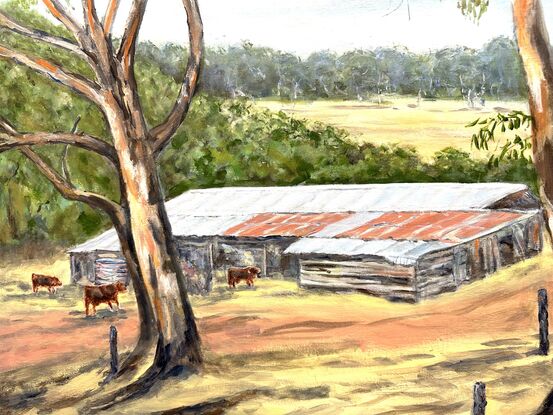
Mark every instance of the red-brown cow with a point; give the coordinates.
(51, 283)
(97, 294)
(248, 274)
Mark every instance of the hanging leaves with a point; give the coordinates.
(473, 9)
(506, 148)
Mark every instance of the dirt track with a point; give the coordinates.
(328, 322)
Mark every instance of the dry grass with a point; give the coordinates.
(429, 127)
(282, 350)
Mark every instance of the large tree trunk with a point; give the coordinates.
(537, 57)
(148, 246)
(159, 268)
(536, 53)
(147, 332)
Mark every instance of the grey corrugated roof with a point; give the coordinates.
(341, 198)
(209, 212)
(397, 252)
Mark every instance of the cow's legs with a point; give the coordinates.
(111, 307)
(86, 304)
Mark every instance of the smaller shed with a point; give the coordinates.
(410, 256)
(98, 261)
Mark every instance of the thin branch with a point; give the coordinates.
(395, 9)
(61, 42)
(92, 23)
(109, 17)
(10, 140)
(60, 12)
(98, 44)
(7, 127)
(75, 82)
(64, 164)
(130, 34)
(69, 192)
(164, 132)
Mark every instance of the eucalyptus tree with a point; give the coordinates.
(168, 330)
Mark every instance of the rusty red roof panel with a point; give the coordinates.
(285, 224)
(445, 226)
(448, 226)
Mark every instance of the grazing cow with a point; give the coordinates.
(235, 275)
(97, 294)
(51, 283)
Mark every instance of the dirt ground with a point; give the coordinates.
(317, 352)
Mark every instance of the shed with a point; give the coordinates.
(400, 241)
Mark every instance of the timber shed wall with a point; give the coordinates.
(433, 273)
(371, 275)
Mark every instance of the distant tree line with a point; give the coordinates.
(494, 71)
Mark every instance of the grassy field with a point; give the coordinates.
(279, 349)
(429, 127)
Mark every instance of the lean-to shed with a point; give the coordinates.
(400, 241)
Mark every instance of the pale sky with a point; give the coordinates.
(303, 26)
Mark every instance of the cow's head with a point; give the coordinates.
(120, 287)
(256, 272)
(56, 282)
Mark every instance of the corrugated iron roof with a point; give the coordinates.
(341, 198)
(448, 226)
(435, 211)
(285, 224)
(397, 252)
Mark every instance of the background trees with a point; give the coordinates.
(257, 72)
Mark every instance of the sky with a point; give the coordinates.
(303, 26)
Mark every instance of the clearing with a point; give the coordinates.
(430, 126)
(278, 349)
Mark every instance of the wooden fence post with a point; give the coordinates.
(114, 362)
(479, 399)
(543, 319)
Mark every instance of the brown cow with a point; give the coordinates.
(235, 275)
(97, 294)
(51, 283)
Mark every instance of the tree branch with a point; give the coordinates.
(58, 10)
(109, 17)
(164, 132)
(10, 139)
(69, 192)
(92, 23)
(9, 23)
(64, 163)
(130, 34)
(75, 82)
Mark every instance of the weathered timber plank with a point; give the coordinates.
(378, 267)
(378, 291)
(353, 272)
(358, 281)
